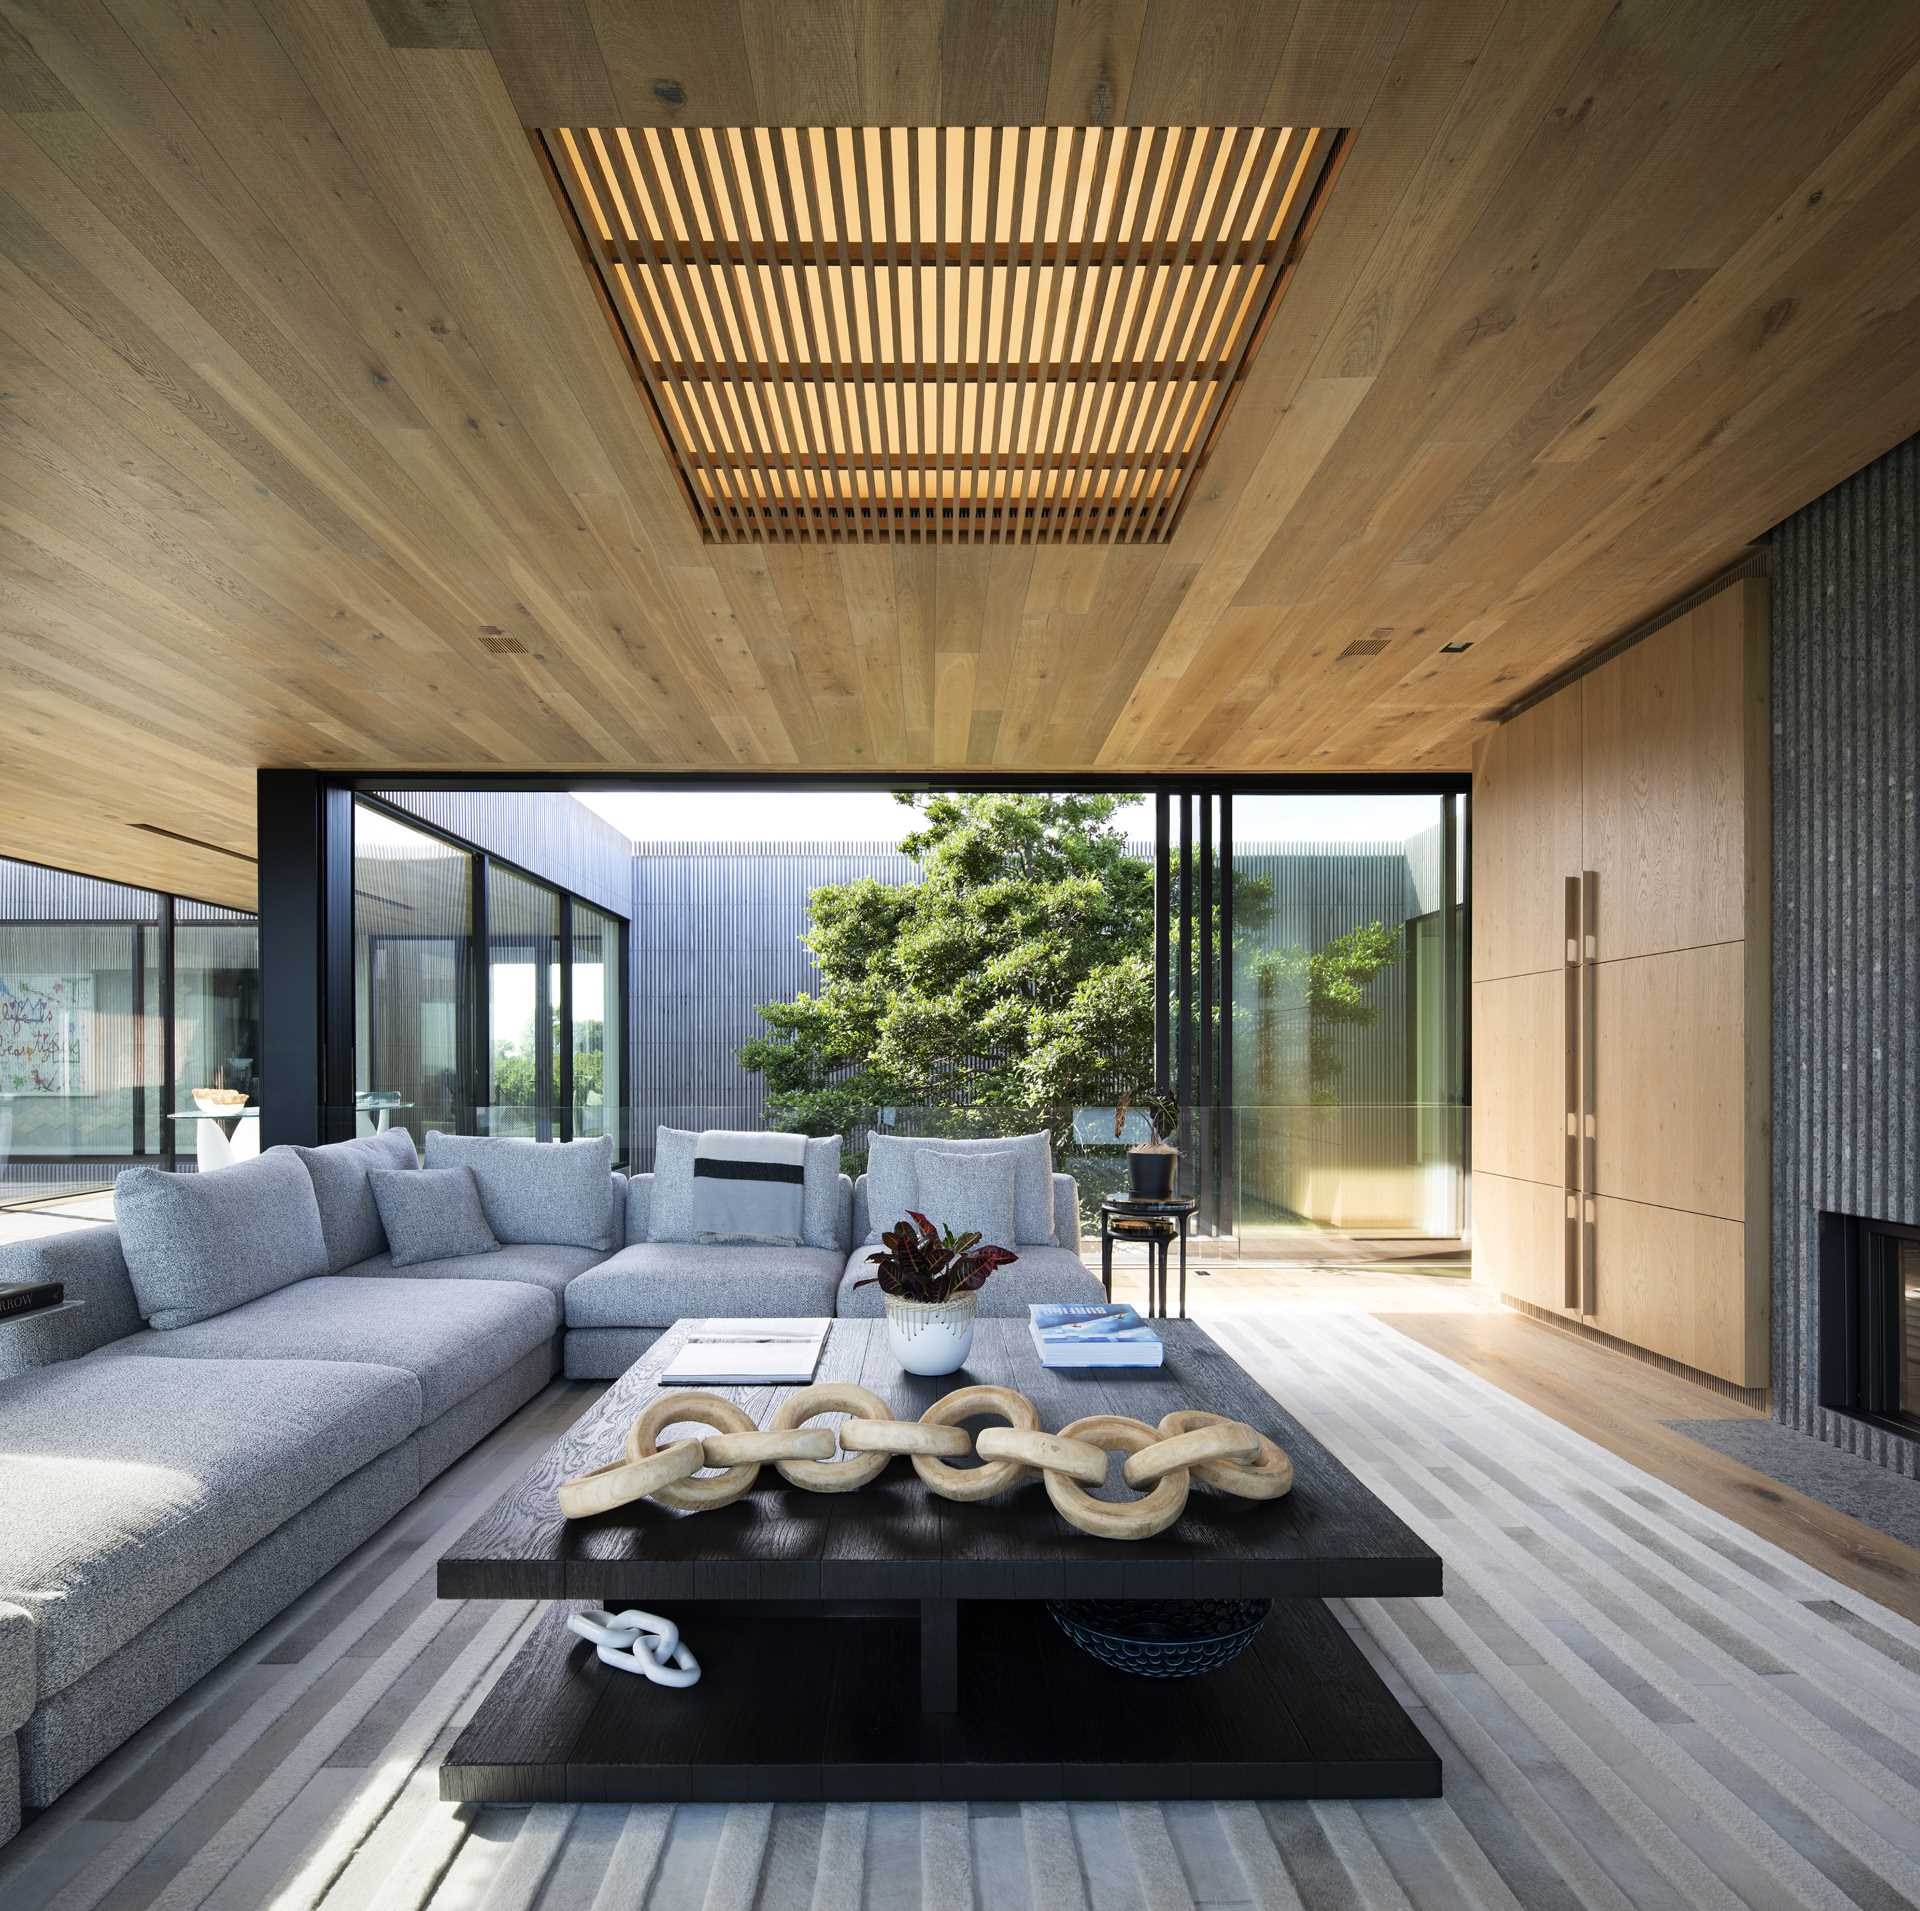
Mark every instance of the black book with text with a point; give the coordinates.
(29, 1297)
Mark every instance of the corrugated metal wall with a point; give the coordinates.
(548, 835)
(185, 910)
(1846, 901)
(717, 930)
(29, 893)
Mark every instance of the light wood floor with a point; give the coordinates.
(1621, 1403)
(1639, 1707)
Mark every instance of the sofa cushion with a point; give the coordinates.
(550, 1193)
(198, 1244)
(823, 1210)
(349, 1217)
(1066, 1212)
(431, 1214)
(639, 1208)
(130, 1482)
(86, 1259)
(967, 1194)
(452, 1336)
(657, 1283)
(892, 1190)
(548, 1267)
(1040, 1274)
(18, 1684)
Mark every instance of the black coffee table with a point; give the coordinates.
(889, 1644)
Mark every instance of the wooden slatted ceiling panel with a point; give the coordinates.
(956, 334)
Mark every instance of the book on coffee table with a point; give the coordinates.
(1092, 1334)
(747, 1353)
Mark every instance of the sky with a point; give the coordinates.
(872, 816)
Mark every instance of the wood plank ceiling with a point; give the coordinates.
(316, 446)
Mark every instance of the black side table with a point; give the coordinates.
(1158, 1224)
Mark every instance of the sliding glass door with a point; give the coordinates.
(116, 1003)
(524, 1008)
(412, 941)
(1313, 992)
(594, 958)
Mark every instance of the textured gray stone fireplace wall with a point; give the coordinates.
(1846, 901)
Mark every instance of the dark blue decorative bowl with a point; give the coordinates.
(1162, 1638)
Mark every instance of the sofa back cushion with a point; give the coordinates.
(822, 1209)
(892, 1187)
(199, 1244)
(349, 1217)
(550, 1193)
(431, 1214)
(969, 1193)
(87, 1262)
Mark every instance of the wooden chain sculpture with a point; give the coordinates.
(1161, 1462)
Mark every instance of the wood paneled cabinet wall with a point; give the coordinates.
(1620, 961)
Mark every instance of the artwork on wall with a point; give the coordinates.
(46, 1035)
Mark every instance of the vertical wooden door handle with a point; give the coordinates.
(1589, 1070)
(1571, 1028)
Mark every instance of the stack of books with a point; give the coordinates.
(29, 1297)
(1092, 1335)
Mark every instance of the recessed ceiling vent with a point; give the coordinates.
(1362, 647)
(972, 334)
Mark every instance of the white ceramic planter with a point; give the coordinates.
(932, 1340)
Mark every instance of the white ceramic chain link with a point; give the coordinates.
(638, 1642)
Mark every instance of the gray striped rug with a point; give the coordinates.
(1639, 1704)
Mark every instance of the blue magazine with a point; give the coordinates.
(1092, 1334)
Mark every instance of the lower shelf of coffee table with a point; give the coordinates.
(829, 1708)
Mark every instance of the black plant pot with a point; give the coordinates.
(1150, 1173)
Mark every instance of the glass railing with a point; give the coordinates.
(1362, 1167)
(1261, 1171)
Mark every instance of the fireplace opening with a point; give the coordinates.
(1870, 1318)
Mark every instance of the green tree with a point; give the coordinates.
(1015, 980)
(1014, 983)
(516, 1066)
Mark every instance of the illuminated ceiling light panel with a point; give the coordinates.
(961, 334)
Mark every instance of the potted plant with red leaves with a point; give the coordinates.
(932, 1278)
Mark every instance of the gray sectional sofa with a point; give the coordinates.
(166, 1490)
(617, 1310)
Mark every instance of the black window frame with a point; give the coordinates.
(162, 927)
(475, 1044)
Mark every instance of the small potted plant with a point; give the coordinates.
(1151, 1164)
(932, 1280)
